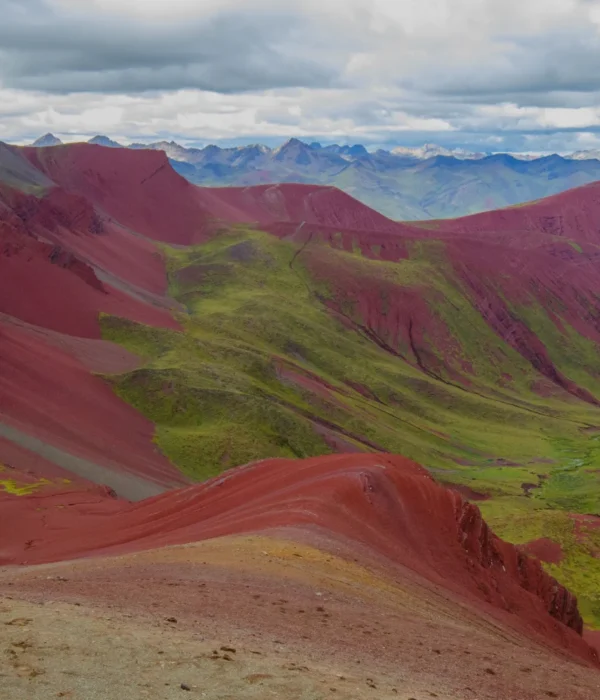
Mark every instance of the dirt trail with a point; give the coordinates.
(128, 486)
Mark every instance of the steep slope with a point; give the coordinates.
(16, 172)
(298, 205)
(465, 353)
(380, 504)
(138, 189)
(52, 404)
(60, 252)
(61, 265)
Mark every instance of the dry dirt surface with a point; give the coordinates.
(260, 617)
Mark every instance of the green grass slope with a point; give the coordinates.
(296, 349)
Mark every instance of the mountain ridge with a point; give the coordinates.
(428, 182)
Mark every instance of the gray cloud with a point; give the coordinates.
(49, 50)
(528, 69)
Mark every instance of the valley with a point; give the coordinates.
(159, 341)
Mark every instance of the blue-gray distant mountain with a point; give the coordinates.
(105, 141)
(400, 184)
(47, 140)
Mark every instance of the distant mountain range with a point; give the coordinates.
(427, 182)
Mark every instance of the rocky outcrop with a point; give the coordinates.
(502, 558)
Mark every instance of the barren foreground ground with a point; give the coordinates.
(259, 617)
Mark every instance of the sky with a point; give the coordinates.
(491, 75)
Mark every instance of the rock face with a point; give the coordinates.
(493, 555)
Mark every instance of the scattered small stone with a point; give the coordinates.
(171, 619)
(183, 686)
(490, 671)
(231, 650)
(551, 694)
(19, 622)
(320, 609)
(226, 657)
(257, 677)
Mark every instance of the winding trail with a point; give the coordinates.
(125, 485)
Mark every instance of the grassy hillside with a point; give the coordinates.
(296, 349)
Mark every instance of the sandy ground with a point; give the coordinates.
(305, 624)
(58, 650)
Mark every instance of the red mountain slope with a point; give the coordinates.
(571, 215)
(138, 189)
(385, 503)
(48, 396)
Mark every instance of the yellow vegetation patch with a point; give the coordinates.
(17, 488)
(20, 489)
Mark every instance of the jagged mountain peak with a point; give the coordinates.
(101, 140)
(47, 140)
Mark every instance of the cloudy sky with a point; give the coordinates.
(517, 75)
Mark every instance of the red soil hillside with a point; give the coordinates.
(49, 286)
(304, 204)
(68, 264)
(139, 189)
(385, 503)
(49, 397)
(572, 215)
(540, 255)
(62, 263)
